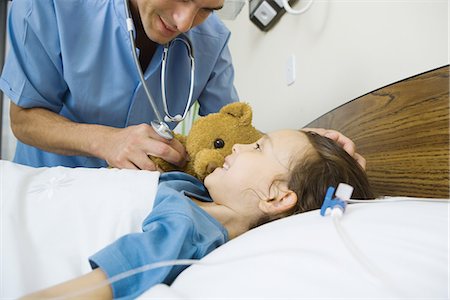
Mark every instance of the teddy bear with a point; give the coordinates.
(212, 137)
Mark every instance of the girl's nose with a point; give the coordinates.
(237, 148)
(184, 15)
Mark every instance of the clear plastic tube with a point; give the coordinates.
(379, 276)
(396, 199)
(176, 262)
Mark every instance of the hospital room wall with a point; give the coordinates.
(343, 49)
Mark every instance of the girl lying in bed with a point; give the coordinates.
(284, 173)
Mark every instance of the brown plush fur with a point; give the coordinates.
(232, 125)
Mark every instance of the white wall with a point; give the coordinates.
(343, 50)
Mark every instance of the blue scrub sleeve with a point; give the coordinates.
(165, 238)
(219, 90)
(33, 72)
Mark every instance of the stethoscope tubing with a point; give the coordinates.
(142, 79)
(160, 126)
(169, 117)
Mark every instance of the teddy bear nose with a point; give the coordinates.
(219, 143)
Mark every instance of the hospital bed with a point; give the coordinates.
(52, 219)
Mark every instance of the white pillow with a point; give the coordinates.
(303, 257)
(53, 219)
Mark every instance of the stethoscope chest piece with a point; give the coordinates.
(162, 129)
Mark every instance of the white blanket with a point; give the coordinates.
(53, 219)
(404, 244)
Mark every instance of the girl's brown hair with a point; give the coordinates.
(327, 164)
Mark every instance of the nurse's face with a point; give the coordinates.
(163, 20)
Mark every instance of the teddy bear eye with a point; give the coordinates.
(219, 143)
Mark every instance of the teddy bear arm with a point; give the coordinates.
(166, 166)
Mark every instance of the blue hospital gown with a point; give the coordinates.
(177, 228)
(74, 58)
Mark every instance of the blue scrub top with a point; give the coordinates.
(74, 58)
(176, 228)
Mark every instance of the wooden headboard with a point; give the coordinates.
(403, 132)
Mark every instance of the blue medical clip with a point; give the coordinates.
(330, 202)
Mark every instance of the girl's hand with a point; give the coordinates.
(347, 144)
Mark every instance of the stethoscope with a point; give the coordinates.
(160, 125)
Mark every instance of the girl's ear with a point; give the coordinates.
(283, 202)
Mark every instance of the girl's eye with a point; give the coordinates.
(257, 146)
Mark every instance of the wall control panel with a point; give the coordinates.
(266, 13)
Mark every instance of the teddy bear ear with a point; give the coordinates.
(240, 110)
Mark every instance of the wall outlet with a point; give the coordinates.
(290, 70)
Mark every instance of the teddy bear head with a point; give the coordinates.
(212, 137)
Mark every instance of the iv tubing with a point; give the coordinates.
(175, 262)
(336, 214)
(396, 199)
(377, 274)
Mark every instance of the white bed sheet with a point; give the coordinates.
(295, 258)
(53, 219)
(303, 257)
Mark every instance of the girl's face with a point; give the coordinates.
(250, 171)
(163, 20)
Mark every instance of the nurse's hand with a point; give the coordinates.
(128, 148)
(347, 144)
